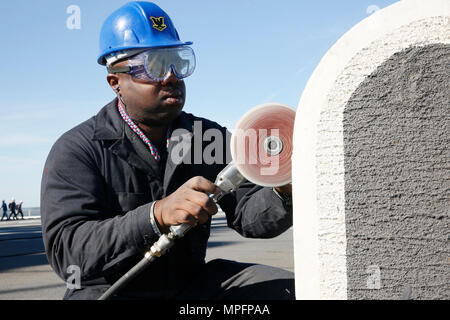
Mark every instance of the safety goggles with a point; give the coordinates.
(156, 64)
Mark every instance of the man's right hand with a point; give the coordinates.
(189, 204)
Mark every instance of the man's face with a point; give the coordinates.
(152, 104)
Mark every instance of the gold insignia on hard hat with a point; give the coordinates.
(158, 23)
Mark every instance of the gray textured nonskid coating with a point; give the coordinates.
(397, 178)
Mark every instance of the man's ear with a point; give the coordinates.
(113, 81)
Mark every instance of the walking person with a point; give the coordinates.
(19, 209)
(5, 210)
(12, 209)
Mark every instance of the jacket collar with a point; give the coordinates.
(108, 123)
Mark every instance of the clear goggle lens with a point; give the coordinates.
(159, 62)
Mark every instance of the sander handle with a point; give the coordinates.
(180, 230)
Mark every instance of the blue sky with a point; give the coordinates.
(248, 52)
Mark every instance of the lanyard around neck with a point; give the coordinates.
(138, 131)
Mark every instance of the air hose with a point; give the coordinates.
(160, 247)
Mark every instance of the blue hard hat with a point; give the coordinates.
(137, 25)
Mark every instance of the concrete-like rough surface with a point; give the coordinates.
(329, 154)
(397, 178)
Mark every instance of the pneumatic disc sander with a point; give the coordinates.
(261, 144)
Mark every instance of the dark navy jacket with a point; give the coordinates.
(97, 184)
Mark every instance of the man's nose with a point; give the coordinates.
(170, 78)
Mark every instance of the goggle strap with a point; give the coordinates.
(119, 70)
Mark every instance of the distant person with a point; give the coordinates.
(19, 209)
(5, 210)
(12, 209)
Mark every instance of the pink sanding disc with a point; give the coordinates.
(261, 144)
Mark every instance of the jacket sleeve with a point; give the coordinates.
(255, 211)
(77, 229)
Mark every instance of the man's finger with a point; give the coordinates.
(202, 184)
(196, 211)
(186, 217)
(203, 200)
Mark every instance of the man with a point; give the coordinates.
(19, 209)
(111, 186)
(5, 210)
(12, 209)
